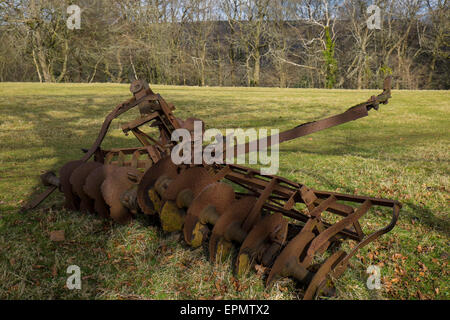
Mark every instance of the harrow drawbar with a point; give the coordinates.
(293, 230)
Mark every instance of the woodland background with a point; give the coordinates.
(281, 43)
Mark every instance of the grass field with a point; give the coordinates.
(400, 152)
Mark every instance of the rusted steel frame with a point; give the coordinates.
(299, 216)
(324, 205)
(240, 172)
(169, 120)
(124, 107)
(118, 110)
(125, 150)
(304, 218)
(39, 198)
(158, 144)
(150, 150)
(141, 137)
(356, 198)
(140, 163)
(148, 141)
(260, 184)
(246, 177)
(139, 122)
(256, 210)
(251, 173)
(154, 154)
(286, 193)
(239, 175)
(338, 208)
(168, 123)
(353, 113)
(289, 204)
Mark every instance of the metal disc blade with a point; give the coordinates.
(115, 184)
(78, 179)
(72, 200)
(92, 188)
(165, 167)
(218, 196)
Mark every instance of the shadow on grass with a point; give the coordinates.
(426, 217)
(364, 145)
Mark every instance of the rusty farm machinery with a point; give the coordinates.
(291, 229)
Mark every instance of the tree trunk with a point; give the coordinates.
(256, 69)
(37, 66)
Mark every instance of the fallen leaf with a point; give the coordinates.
(236, 284)
(217, 285)
(260, 269)
(57, 235)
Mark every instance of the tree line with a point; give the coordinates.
(282, 43)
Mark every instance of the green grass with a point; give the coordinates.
(400, 152)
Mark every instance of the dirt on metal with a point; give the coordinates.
(275, 222)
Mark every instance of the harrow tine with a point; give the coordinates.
(72, 200)
(78, 179)
(324, 237)
(318, 281)
(288, 264)
(255, 214)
